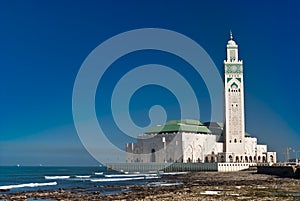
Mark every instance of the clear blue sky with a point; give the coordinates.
(43, 44)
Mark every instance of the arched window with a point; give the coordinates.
(235, 141)
(237, 159)
(152, 155)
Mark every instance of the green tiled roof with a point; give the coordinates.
(187, 125)
(185, 121)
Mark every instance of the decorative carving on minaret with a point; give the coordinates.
(234, 100)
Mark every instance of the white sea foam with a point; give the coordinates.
(98, 173)
(116, 179)
(82, 176)
(152, 177)
(27, 185)
(164, 184)
(126, 177)
(57, 177)
(173, 173)
(210, 193)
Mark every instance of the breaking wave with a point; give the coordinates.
(125, 177)
(82, 176)
(57, 177)
(27, 185)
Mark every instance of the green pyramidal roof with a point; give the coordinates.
(187, 125)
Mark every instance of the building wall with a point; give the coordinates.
(156, 148)
(200, 147)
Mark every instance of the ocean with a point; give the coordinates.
(24, 178)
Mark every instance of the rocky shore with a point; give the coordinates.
(244, 185)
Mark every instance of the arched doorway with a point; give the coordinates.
(222, 158)
(206, 159)
(246, 159)
(264, 159)
(271, 159)
(212, 159)
(152, 159)
(230, 159)
(250, 159)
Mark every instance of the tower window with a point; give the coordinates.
(235, 141)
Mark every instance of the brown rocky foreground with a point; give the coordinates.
(245, 185)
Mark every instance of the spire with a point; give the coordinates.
(231, 42)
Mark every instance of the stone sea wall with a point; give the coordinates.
(282, 171)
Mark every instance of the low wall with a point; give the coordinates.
(282, 171)
(179, 167)
(166, 167)
(298, 173)
(234, 167)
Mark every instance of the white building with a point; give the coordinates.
(192, 141)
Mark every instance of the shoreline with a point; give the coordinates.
(244, 185)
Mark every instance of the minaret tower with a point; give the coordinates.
(234, 104)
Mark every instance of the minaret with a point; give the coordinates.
(234, 104)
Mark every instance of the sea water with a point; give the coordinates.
(24, 178)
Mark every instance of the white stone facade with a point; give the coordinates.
(194, 147)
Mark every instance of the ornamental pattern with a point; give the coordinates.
(233, 68)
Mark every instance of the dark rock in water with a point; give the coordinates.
(4, 190)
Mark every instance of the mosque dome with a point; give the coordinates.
(231, 42)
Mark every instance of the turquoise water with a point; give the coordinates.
(18, 179)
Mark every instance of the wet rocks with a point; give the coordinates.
(195, 186)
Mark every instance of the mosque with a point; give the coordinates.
(191, 141)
